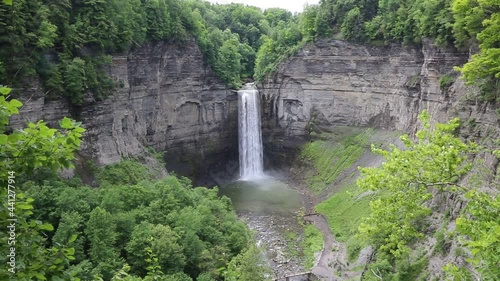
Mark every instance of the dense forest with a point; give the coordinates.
(68, 43)
(135, 227)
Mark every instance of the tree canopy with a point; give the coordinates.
(411, 181)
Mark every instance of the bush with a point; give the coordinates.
(446, 81)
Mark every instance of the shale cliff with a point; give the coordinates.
(166, 98)
(337, 83)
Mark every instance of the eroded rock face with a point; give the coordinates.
(338, 83)
(166, 98)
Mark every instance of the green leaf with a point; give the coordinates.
(66, 123)
(24, 206)
(3, 139)
(70, 251)
(3, 90)
(40, 276)
(16, 103)
(73, 238)
(46, 226)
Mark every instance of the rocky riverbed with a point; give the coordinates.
(273, 232)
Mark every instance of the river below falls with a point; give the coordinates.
(270, 209)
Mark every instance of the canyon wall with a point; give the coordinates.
(333, 83)
(166, 98)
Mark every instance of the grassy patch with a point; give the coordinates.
(329, 159)
(312, 243)
(344, 211)
(446, 81)
(292, 239)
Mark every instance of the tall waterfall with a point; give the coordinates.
(250, 136)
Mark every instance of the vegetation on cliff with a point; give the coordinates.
(428, 178)
(67, 44)
(462, 23)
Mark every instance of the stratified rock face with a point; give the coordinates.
(338, 83)
(166, 99)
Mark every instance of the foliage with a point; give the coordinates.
(344, 211)
(406, 268)
(37, 145)
(282, 42)
(480, 20)
(124, 172)
(22, 151)
(135, 227)
(64, 42)
(446, 81)
(353, 26)
(329, 162)
(312, 244)
(247, 266)
(434, 162)
(480, 228)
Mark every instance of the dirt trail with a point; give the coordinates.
(330, 266)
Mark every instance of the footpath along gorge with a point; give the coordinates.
(223, 142)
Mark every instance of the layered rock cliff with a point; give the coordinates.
(337, 83)
(166, 98)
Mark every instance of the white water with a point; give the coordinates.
(250, 136)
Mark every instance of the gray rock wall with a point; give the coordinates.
(337, 83)
(166, 99)
(169, 100)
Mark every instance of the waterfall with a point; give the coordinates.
(250, 136)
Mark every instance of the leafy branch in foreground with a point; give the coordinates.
(480, 227)
(21, 152)
(433, 163)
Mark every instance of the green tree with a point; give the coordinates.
(22, 151)
(480, 227)
(480, 20)
(353, 26)
(101, 233)
(69, 232)
(164, 244)
(228, 62)
(74, 80)
(247, 266)
(158, 20)
(308, 22)
(431, 164)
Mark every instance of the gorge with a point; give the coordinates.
(170, 101)
(364, 146)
